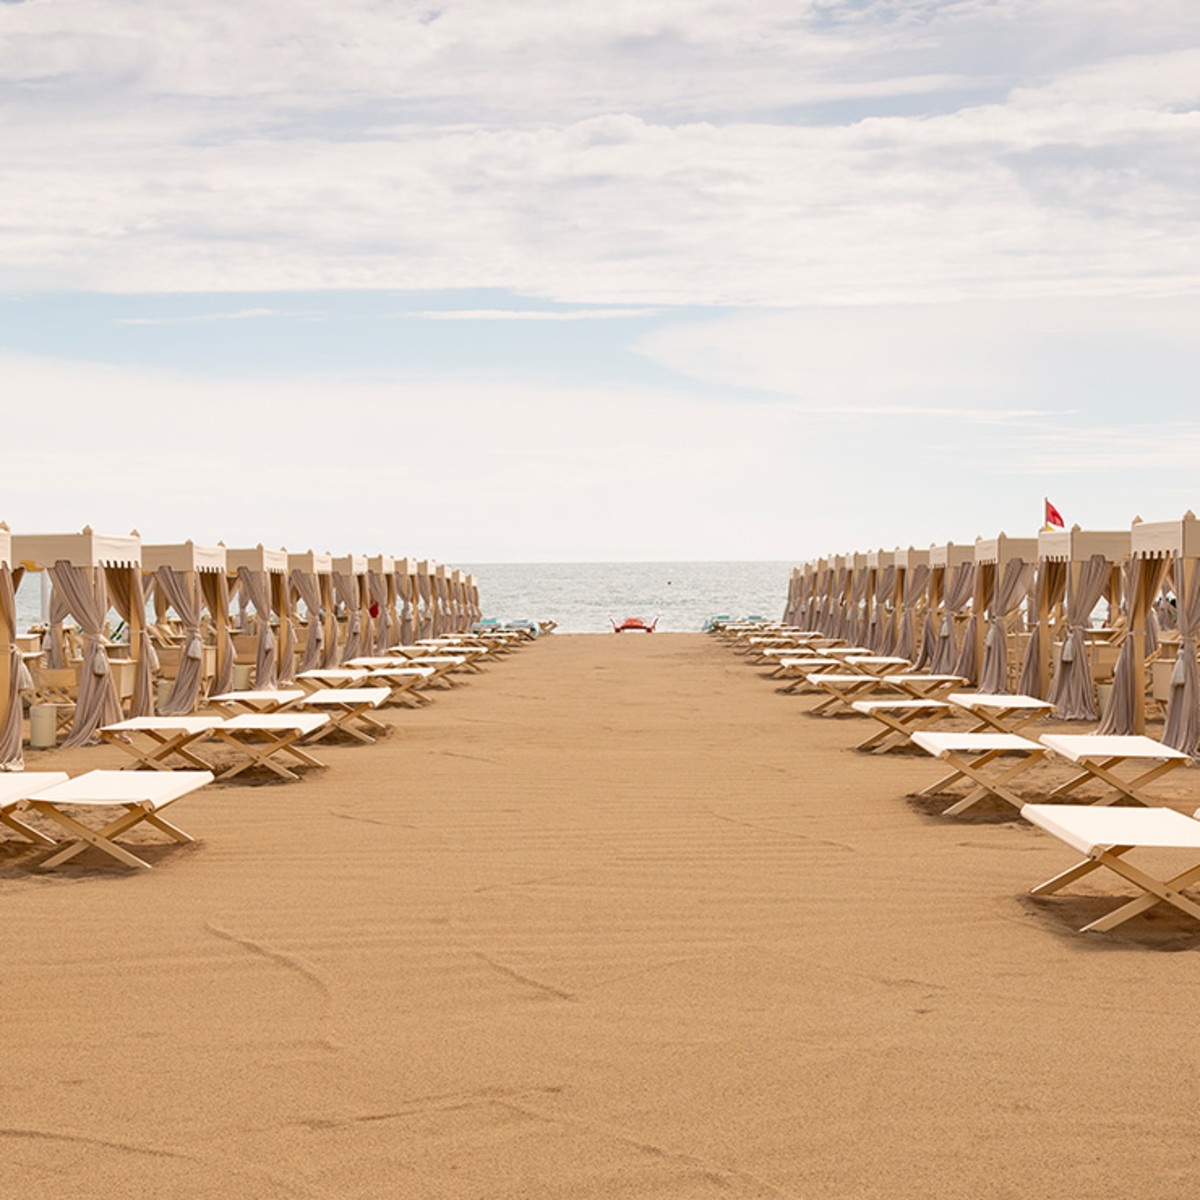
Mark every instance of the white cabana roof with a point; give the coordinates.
(311, 562)
(37, 551)
(912, 557)
(1165, 539)
(183, 556)
(1002, 549)
(351, 564)
(1079, 545)
(381, 564)
(950, 555)
(880, 558)
(258, 559)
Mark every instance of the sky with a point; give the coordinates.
(512, 280)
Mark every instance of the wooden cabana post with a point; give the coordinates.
(11, 757)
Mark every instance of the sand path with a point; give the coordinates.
(614, 920)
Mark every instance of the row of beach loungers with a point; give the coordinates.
(271, 730)
(989, 752)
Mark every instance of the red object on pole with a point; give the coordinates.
(1053, 516)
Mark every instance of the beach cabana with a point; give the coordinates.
(311, 578)
(881, 633)
(381, 587)
(91, 573)
(1004, 572)
(425, 621)
(262, 583)
(912, 582)
(1160, 552)
(177, 571)
(951, 582)
(11, 757)
(352, 591)
(1081, 566)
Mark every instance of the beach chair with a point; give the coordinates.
(900, 718)
(841, 690)
(268, 700)
(141, 796)
(348, 709)
(796, 670)
(259, 738)
(999, 711)
(972, 756)
(926, 687)
(153, 741)
(332, 677)
(1100, 756)
(1106, 836)
(15, 788)
(403, 683)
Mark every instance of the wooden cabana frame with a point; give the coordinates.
(1073, 548)
(204, 570)
(119, 559)
(269, 569)
(11, 757)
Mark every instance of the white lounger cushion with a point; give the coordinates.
(938, 744)
(18, 785)
(1086, 829)
(149, 789)
(1078, 746)
(179, 724)
(341, 697)
(868, 706)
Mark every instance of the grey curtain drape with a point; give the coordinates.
(306, 587)
(285, 658)
(967, 664)
(12, 756)
(1144, 577)
(425, 625)
(172, 586)
(1049, 586)
(403, 590)
(1181, 730)
(883, 630)
(253, 587)
(959, 586)
(1010, 592)
(852, 624)
(1071, 687)
(97, 703)
(383, 622)
(915, 581)
(52, 640)
(346, 587)
(214, 587)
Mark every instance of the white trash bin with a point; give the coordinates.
(43, 726)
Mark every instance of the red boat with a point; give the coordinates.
(634, 625)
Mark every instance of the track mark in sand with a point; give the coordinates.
(718, 1173)
(472, 757)
(444, 1102)
(79, 1140)
(345, 816)
(512, 973)
(781, 833)
(288, 961)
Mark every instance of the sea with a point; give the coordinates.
(587, 597)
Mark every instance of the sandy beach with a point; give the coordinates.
(613, 919)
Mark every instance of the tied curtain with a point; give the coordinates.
(915, 582)
(1182, 728)
(958, 592)
(306, 587)
(346, 588)
(929, 637)
(55, 657)
(967, 664)
(253, 588)
(425, 624)
(86, 599)
(1012, 589)
(12, 757)
(285, 661)
(883, 631)
(404, 591)
(172, 586)
(850, 588)
(214, 587)
(129, 597)
(383, 623)
(1143, 579)
(1048, 590)
(1071, 688)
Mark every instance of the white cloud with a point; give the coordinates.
(244, 314)
(527, 314)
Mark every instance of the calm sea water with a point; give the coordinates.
(582, 597)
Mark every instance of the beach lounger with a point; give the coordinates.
(926, 687)
(15, 788)
(268, 700)
(1099, 756)
(841, 690)
(900, 718)
(796, 669)
(442, 667)
(1003, 713)
(878, 665)
(332, 677)
(1106, 835)
(153, 741)
(348, 709)
(259, 737)
(969, 754)
(404, 683)
(140, 795)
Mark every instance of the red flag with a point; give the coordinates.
(1053, 516)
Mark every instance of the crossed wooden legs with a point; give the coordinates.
(104, 838)
(259, 753)
(160, 749)
(1129, 788)
(964, 768)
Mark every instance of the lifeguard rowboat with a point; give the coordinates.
(634, 625)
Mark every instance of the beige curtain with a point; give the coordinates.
(285, 659)
(128, 596)
(967, 664)
(883, 629)
(959, 586)
(1181, 730)
(383, 623)
(172, 586)
(1144, 577)
(1071, 688)
(425, 623)
(1013, 588)
(254, 589)
(403, 590)
(1049, 586)
(306, 587)
(87, 601)
(346, 587)
(12, 757)
(214, 587)
(915, 581)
